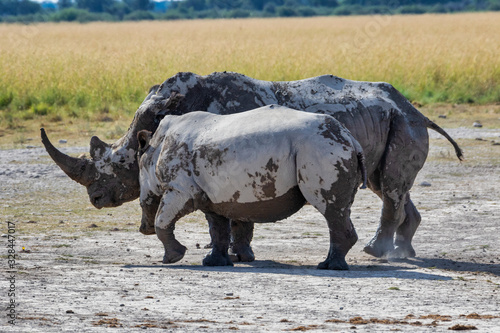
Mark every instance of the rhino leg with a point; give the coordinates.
(342, 238)
(173, 206)
(406, 152)
(241, 236)
(220, 230)
(149, 208)
(393, 214)
(405, 232)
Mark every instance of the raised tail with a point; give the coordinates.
(430, 124)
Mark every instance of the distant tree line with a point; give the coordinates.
(119, 10)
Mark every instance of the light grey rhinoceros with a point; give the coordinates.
(256, 166)
(391, 131)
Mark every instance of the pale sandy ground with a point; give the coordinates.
(105, 280)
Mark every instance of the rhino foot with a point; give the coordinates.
(175, 254)
(147, 231)
(242, 254)
(338, 264)
(402, 252)
(379, 248)
(217, 259)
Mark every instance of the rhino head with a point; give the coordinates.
(111, 175)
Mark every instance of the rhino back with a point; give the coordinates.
(245, 156)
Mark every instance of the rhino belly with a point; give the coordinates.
(271, 210)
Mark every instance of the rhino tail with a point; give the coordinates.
(432, 125)
(362, 167)
(361, 162)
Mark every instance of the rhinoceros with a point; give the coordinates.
(391, 131)
(255, 166)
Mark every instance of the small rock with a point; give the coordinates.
(70, 311)
(477, 124)
(229, 294)
(31, 147)
(93, 225)
(479, 139)
(4, 235)
(424, 183)
(495, 144)
(63, 141)
(204, 276)
(442, 116)
(197, 245)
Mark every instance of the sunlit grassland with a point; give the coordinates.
(102, 71)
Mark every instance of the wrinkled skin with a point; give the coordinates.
(392, 133)
(254, 167)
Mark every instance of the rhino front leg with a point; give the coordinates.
(241, 236)
(219, 228)
(173, 206)
(149, 205)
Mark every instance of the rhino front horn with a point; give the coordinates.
(80, 170)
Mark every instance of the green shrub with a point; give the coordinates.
(139, 15)
(238, 13)
(6, 99)
(284, 11)
(41, 109)
(412, 9)
(342, 11)
(306, 11)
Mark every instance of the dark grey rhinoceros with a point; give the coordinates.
(391, 131)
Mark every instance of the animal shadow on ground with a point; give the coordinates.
(274, 267)
(452, 265)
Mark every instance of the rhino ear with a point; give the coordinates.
(171, 104)
(143, 138)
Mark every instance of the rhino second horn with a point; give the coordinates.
(80, 170)
(97, 147)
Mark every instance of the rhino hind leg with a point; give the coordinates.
(405, 156)
(241, 236)
(220, 230)
(405, 232)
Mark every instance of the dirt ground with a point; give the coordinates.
(79, 269)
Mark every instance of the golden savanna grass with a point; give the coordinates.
(98, 70)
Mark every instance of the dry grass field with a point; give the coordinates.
(103, 70)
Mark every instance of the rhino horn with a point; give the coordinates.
(80, 170)
(97, 147)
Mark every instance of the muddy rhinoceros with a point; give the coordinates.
(254, 166)
(391, 131)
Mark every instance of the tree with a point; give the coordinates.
(62, 4)
(16, 7)
(139, 4)
(96, 6)
(26, 7)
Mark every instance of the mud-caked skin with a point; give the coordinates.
(392, 133)
(256, 166)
